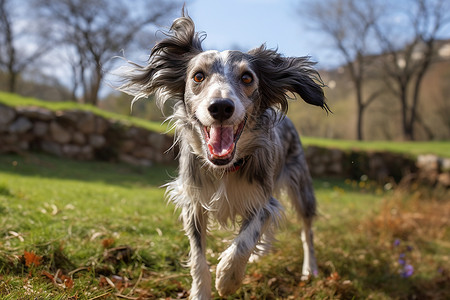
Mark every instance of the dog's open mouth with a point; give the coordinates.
(221, 142)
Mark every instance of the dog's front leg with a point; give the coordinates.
(231, 268)
(195, 221)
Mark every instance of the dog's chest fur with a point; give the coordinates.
(227, 195)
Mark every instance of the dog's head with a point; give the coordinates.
(220, 91)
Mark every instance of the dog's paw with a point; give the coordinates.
(229, 281)
(254, 258)
(230, 273)
(308, 274)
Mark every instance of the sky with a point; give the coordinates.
(247, 24)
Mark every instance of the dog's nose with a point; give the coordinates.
(221, 109)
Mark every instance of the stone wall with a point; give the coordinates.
(83, 135)
(80, 135)
(381, 166)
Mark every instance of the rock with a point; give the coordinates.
(136, 133)
(79, 138)
(71, 150)
(428, 162)
(335, 168)
(10, 139)
(101, 125)
(318, 170)
(69, 116)
(7, 115)
(336, 155)
(377, 168)
(59, 134)
(34, 112)
(86, 124)
(444, 179)
(40, 129)
(96, 140)
(127, 146)
(23, 145)
(51, 147)
(445, 164)
(156, 140)
(21, 125)
(143, 152)
(87, 152)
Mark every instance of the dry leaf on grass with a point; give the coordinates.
(31, 259)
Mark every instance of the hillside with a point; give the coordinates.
(382, 117)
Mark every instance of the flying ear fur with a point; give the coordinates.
(280, 75)
(166, 69)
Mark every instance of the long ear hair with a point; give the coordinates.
(280, 75)
(165, 72)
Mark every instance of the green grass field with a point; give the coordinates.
(440, 148)
(93, 230)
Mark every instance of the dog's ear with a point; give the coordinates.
(280, 75)
(166, 69)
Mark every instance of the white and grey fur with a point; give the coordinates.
(239, 187)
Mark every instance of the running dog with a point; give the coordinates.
(237, 149)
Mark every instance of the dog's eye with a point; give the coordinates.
(199, 77)
(247, 78)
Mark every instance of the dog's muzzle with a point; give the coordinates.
(221, 139)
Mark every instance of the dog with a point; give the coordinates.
(237, 148)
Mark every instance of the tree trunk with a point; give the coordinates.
(95, 85)
(360, 108)
(404, 108)
(360, 123)
(417, 85)
(12, 80)
(409, 132)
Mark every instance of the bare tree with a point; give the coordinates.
(409, 48)
(16, 54)
(349, 24)
(97, 30)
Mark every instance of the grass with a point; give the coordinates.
(93, 230)
(440, 148)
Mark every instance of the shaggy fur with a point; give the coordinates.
(237, 148)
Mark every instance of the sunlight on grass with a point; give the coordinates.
(440, 148)
(93, 230)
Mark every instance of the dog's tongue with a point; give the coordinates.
(221, 140)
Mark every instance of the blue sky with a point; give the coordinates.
(246, 24)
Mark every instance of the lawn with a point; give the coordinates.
(412, 148)
(94, 230)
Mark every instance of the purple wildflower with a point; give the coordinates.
(396, 242)
(401, 261)
(408, 270)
